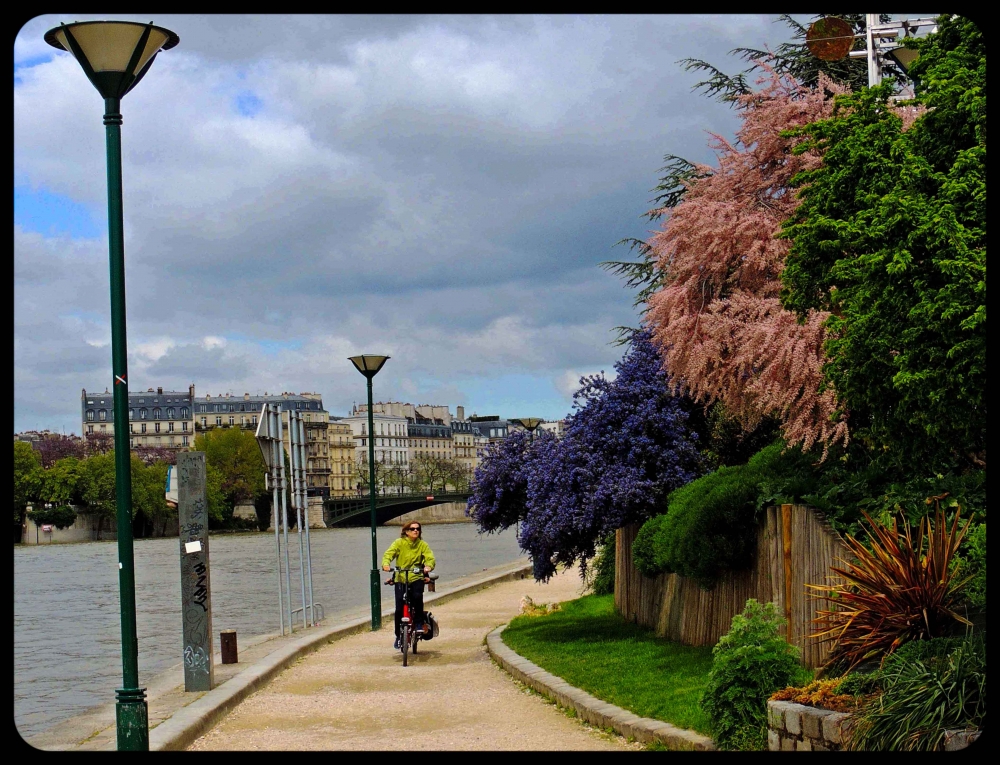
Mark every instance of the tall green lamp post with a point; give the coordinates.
(369, 366)
(115, 55)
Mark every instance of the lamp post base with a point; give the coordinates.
(132, 718)
(376, 600)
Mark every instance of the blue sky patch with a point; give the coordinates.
(51, 214)
(248, 104)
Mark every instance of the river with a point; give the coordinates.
(67, 631)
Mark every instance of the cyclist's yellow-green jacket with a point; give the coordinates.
(409, 554)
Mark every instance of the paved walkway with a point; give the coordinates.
(355, 694)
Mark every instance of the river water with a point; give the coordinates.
(67, 631)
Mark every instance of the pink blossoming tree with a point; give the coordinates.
(717, 317)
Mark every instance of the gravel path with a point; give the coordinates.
(355, 693)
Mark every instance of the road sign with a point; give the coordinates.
(264, 436)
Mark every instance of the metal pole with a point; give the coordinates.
(293, 448)
(275, 456)
(284, 515)
(305, 504)
(375, 586)
(131, 712)
(874, 67)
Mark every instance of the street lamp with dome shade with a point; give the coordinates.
(369, 365)
(530, 424)
(115, 55)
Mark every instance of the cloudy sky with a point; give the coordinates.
(301, 189)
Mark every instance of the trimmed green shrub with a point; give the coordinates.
(928, 689)
(602, 568)
(710, 525)
(859, 684)
(750, 662)
(62, 517)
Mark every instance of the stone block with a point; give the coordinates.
(812, 722)
(773, 741)
(787, 744)
(955, 740)
(793, 720)
(820, 747)
(805, 745)
(775, 715)
(833, 725)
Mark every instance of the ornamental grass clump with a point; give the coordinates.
(750, 662)
(901, 589)
(926, 693)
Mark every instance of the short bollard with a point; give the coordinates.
(229, 653)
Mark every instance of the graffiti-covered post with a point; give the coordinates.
(196, 591)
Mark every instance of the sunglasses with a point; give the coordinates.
(414, 528)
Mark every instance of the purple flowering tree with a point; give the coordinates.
(499, 488)
(625, 448)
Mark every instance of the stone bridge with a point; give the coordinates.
(355, 511)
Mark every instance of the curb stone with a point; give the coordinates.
(594, 711)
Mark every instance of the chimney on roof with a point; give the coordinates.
(159, 391)
(246, 396)
(191, 390)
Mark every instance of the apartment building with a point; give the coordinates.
(391, 441)
(557, 428)
(343, 473)
(430, 438)
(157, 418)
(234, 411)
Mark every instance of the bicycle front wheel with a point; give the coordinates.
(405, 642)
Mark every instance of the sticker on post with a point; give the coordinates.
(192, 547)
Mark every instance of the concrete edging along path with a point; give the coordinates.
(193, 720)
(593, 710)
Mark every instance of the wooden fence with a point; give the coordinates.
(795, 547)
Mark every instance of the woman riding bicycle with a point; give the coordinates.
(409, 550)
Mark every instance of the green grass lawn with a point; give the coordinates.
(591, 647)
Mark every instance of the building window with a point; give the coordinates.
(243, 407)
(90, 428)
(156, 427)
(170, 428)
(184, 440)
(131, 443)
(156, 413)
(184, 425)
(142, 428)
(253, 420)
(218, 420)
(104, 428)
(142, 414)
(171, 440)
(232, 420)
(142, 401)
(184, 412)
(131, 414)
(90, 415)
(157, 440)
(204, 422)
(170, 413)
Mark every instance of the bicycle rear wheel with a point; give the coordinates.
(404, 635)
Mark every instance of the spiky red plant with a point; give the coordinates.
(902, 588)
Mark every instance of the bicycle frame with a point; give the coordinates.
(408, 635)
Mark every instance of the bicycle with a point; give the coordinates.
(408, 634)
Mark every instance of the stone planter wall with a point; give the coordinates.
(796, 727)
(800, 728)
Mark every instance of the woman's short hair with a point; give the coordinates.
(405, 526)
